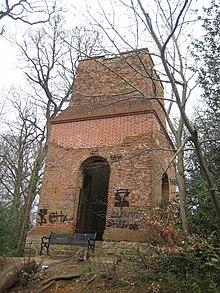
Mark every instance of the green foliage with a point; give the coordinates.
(207, 55)
(88, 268)
(202, 218)
(193, 267)
(186, 273)
(8, 233)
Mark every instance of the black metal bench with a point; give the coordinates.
(76, 239)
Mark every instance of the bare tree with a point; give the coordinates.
(27, 11)
(162, 27)
(138, 27)
(20, 147)
(181, 98)
(49, 65)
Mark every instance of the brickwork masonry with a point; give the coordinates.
(130, 138)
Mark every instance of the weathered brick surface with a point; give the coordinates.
(101, 132)
(113, 79)
(131, 138)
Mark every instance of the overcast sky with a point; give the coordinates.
(10, 74)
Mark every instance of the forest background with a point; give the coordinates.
(41, 43)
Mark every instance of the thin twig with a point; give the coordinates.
(90, 281)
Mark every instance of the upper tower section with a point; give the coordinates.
(102, 80)
(125, 83)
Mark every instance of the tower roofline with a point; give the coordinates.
(116, 55)
(119, 55)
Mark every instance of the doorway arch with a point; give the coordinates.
(165, 190)
(93, 197)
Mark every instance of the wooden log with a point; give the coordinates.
(13, 274)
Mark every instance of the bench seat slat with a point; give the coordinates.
(75, 239)
(69, 243)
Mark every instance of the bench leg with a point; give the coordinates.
(91, 246)
(42, 246)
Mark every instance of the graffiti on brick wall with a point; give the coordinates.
(53, 217)
(123, 224)
(124, 219)
(94, 152)
(42, 213)
(125, 214)
(57, 217)
(120, 197)
(116, 157)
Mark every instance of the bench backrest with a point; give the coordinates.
(80, 238)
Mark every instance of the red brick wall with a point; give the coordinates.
(135, 145)
(101, 132)
(137, 170)
(126, 76)
(101, 81)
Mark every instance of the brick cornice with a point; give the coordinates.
(112, 115)
(104, 116)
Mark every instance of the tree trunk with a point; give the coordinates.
(14, 274)
(182, 192)
(32, 192)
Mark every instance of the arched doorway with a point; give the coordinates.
(93, 198)
(164, 197)
(165, 190)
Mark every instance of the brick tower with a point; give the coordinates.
(107, 152)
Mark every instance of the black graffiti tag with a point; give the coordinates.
(124, 214)
(42, 213)
(54, 217)
(120, 195)
(121, 224)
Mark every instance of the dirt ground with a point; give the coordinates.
(99, 273)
